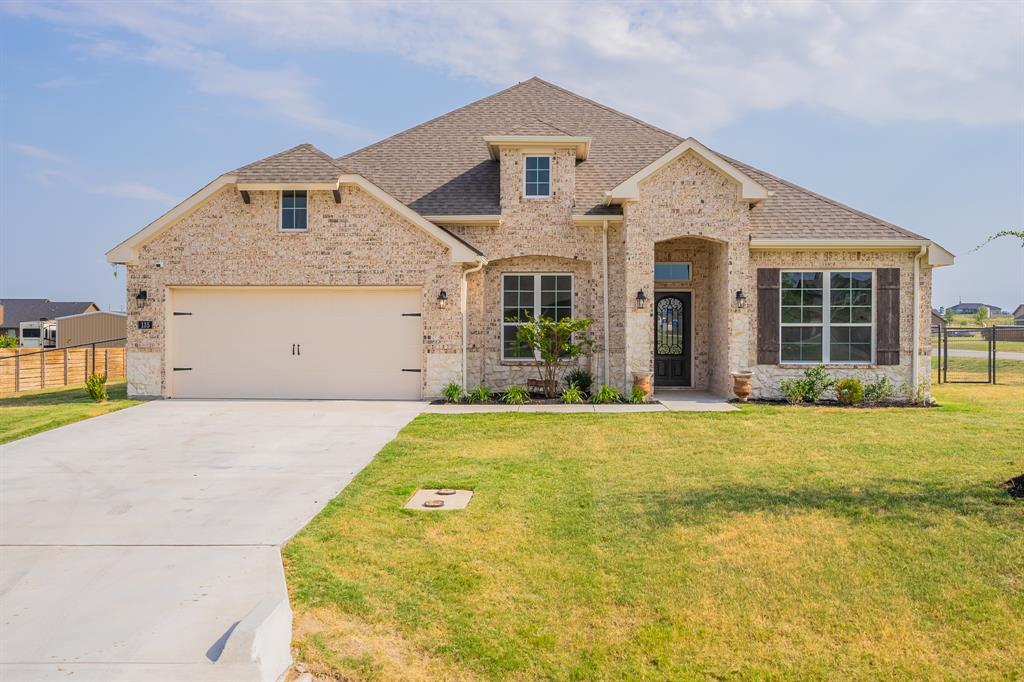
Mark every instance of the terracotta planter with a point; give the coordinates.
(644, 381)
(742, 385)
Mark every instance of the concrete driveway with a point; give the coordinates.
(133, 545)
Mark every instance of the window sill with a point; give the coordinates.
(281, 230)
(830, 365)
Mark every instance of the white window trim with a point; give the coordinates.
(826, 296)
(280, 213)
(551, 175)
(688, 265)
(536, 306)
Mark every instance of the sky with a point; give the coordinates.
(111, 113)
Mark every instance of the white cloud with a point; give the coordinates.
(69, 173)
(692, 67)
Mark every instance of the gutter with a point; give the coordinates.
(464, 305)
(607, 340)
(916, 357)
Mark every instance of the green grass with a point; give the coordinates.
(780, 543)
(956, 343)
(28, 413)
(1008, 372)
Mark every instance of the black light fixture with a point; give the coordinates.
(741, 299)
(442, 299)
(140, 297)
(641, 300)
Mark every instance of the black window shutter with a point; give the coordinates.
(767, 316)
(887, 317)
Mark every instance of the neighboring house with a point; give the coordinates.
(408, 264)
(972, 308)
(18, 310)
(938, 322)
(1018, 314)
(104, 328)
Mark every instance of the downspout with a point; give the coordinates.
(916, 356)
(464, 304)
(607, 340)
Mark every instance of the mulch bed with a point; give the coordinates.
(836, 403)
(533, 401)
(1015, 486)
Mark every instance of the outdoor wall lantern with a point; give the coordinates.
(641, 300)
(140, 298)
(442, 299)
(741, 299)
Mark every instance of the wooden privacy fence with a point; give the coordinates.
(30, 369)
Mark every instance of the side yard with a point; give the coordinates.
(783, 542)
(29, 413)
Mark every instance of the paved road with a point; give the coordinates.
(1000, 354)
(130, 544)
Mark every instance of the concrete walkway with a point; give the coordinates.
(134, 545)
(1000, 354)
(665, 401)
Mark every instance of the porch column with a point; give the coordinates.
(639, 323)
(739, 318)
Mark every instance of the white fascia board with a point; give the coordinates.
(128, 250)
(460, 253)
(937, 256)
(583, 219)
(496, 142)
(629, 190)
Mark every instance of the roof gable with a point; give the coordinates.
(18, 310)
(303, 163)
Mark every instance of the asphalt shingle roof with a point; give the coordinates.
(18, 310)
(442, 167)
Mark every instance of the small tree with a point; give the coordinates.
(948, 316)
(981, 315)
(556, 345)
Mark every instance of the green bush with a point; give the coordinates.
(452, 392)
(481, 394)
(515, 395)
(808, 389)
(583, 379)
(638, 396)
(849, 391)
(96, 387)
(8, 341)
(572, 394)
(879, 390)
(605, 395)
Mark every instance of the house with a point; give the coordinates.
(410, 263)
(1018, 315)
(105, 328)
(972, 308)
(938, 322)
(33, 310)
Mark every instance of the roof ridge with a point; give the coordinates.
(822, 197)
(304, 145)
(436, 118)
(580, 97)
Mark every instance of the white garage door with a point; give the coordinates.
(271, 342)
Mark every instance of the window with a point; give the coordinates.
(293, 209)
(538, 176)
(527, 295)
(30, 333)
(827, 317)
(671, 272)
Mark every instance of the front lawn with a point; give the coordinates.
(28, 413)
(796, 543)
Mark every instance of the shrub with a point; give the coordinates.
(808, 389)
(8, 341)
(555, 344)
(452, 392)
(515, 395)
(915, 396)
(879, 390)
(583, 379)
(849, 391)
(572, 394)
(605, 395)
(96, 387)
(638, 396)
(480, 394)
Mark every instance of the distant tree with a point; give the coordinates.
(981, 315)
(948, 317)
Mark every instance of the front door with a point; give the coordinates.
(672, 351)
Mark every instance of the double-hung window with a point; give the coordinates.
(827, 316)
(528, 295)
(538, 176)
(293, 209)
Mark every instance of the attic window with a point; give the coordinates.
(538, 176)
(293, 210)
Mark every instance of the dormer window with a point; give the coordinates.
(293, 210)
(538, 176)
